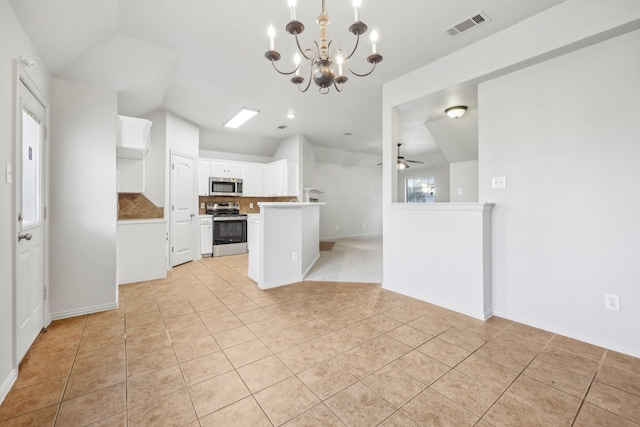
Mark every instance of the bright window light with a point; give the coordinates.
(240, 118)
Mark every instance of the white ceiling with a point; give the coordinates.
(204, 60)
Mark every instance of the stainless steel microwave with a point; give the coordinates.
(225, 187)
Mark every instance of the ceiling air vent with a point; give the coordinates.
(282, 127)
(467, 24)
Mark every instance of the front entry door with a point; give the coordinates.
(30, 246)
(183, 208)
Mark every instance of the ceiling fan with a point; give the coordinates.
(401, 163)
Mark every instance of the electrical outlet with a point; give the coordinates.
(251, 205)
(499, 182)
(459, 191)
(612, 302)
(294, 256)
(201, 205)
(337, 227)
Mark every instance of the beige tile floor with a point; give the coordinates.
(206, 347)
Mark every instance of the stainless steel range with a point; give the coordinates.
(229, 229)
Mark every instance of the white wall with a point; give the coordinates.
(84, 199)
(13, 44)
(353, 196)
(290, 149)
(156, 160)
(555, 32)
(236, 157)
(463, 176)
(308, 164)
(566, 229)
(440, 176)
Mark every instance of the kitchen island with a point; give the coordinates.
(283, 242)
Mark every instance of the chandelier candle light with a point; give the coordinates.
(323, 57)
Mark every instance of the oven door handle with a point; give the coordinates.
(229, 219)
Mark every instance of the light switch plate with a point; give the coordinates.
(499, 182)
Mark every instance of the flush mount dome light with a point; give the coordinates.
(455, 112)
(240, 118)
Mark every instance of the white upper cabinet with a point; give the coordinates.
(253, 184)
(204, 172)
(226, 170)
(133, 137)
(276, 179)
(280, 179)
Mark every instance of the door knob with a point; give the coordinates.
(26, 236)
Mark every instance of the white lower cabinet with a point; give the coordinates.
(141, 250)
(206, 235)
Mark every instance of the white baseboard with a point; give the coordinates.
(477, 314)
(83, 311)
(281, 282)
(304, 274)
(7, 384)
(350, 236)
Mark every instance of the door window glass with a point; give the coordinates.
(30, 169)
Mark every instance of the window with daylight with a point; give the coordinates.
(420, 190)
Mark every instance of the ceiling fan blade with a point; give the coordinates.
(415, 161)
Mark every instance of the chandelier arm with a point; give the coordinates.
(339, 89)
(354, 50)
(362, 75)
(285, 73)
(302, 51)
(308, 82)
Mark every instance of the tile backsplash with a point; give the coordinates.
(137, 206)
(245, 202)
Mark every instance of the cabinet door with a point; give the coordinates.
(204, 172)
(275, 179)
(206, 236)
(253, 185)
(226, 170)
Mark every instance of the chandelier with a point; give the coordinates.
(323, 56)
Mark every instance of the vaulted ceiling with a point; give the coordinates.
(204, 60)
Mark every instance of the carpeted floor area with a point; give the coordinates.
(356, 259)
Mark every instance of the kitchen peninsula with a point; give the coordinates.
(283, 242)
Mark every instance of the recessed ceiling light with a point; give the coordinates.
(240, 118)
(291, 116)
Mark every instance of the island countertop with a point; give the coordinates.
(289, 204)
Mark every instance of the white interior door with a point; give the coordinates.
(183, 208)
(30, 246)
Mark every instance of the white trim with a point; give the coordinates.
(304, 274)
(7, 384)
(282, 282)
(83, 311)
(458, 309)
(560, 331)
(351, 236)
(449, 207)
